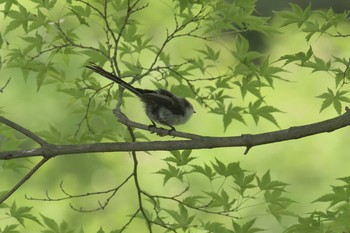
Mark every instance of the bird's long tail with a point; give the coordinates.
(112, 77)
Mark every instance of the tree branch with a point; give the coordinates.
(197, 142)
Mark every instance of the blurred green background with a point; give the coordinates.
(310, 165)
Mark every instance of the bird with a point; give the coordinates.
(160, 105)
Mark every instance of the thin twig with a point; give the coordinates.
(136, 181)
(86, 115)
(24, 179)
(226, 213)
(3, 88)
(102, 206)
(70, 196)
(344, 73)
(175, 34)
(130, 220)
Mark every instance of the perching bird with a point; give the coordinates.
(161, 106)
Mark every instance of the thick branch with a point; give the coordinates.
(198, 142)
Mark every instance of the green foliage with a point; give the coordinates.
(257, 111)
(225, 76)
(320, 23)
(246, 227)
(10, 229)
(22, 213)
(171, 172)
(334, 219)
(181, 218)
(125, 43)
(334, 98)
(296, 15)
(51, 226)
(236, 188)
(337, 97)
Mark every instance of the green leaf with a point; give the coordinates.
(164, 57)
(209, 53)
(250, 85)
(22, 213)
(242, 52)
(206, 170)
(301, 56)
(8, 5)
(345, 179)
(311, 28)
(257, 111)
(184, 4)
(244, 182)
(38, 20)
(48, 4)
(182, 218)
(221, 168)
(233, 113)
(215, 227)
(246, 227)
(278, 204)
(171, 172)
(132, 69)
(221, 200)
(269, 73)
(266, 179)
(19, 18)
(51, 224)
(143, 43)
(193, 200)
(318, 65)
(231, 169)
(280, 209)
(10, 229)
(95, 56)
(336, 99)
(265, 183)
(327, 198)
(236, 226)
(80, 13)
(53, 227)
(198, 63)
(295, 16)
(180, 159)
(130, 33)
(340, 194)
(308, 224)
(33, 42)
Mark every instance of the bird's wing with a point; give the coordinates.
(164, 98)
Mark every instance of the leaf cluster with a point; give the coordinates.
(323, 24)
(50, 48)
(334, 219)
(49, 45)
(232, 190)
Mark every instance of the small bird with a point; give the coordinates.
(161, 106)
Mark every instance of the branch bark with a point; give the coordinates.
(196, 142)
